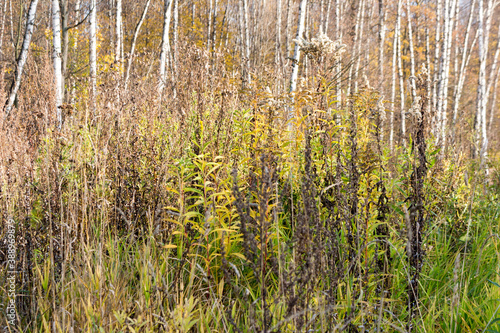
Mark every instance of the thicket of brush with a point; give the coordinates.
(204, 213)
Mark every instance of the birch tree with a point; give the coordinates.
(412, 53)
(93, 54)
(482, 98)
(278, 57)
(494, 100)
(118, 33)
(393, 90)
(296, 51)
(361, 21)
(400, 71)
(444, 68)
(165, 46)
(64, 14)
(2, 28)
(381, 40)
(466, 52)
(56, 59)
(287, 29)
(355, 50)
(437, 48)
(23, 56)
(246, 56)
(327, 18)
(338, 33)
(296, 56)
(176, 35)
(134, 41)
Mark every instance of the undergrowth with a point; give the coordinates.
(208, 215)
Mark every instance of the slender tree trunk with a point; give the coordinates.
(23, 56)
(395, 47)
(327, 19)
(494, 66)
(209, 25)
(56, 59)
(176, 36)
(63, 6)
(381, 58)
(494, 101)
(278, 57)
(321, 15)
(444, 67)
(482, 98)
(287, 28)
(437, 49)
(296, 57)
(75, 48)
(19, 29)
(400, 73)
(214, 23)
(359, 40)
(241, 30)
(466, 51)
(457, 44)
(12, 23)
(381, 41)
(428, 66)
(2, 29)
(296, 51)
(165, 46)
(118, 33)
(246, 57)
(354, 56)
(338, 33)
(134, 41)
(412, 53)
(93, 54)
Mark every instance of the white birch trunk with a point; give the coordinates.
(93, 54)
(494, 66)
(381, 40)
(444, 69)
(296, 58)
(246, 58)
(393, 91)
(278, 56)
(296, 51)
(400, 73)
(23, 56)
(134, 41)
(428, 66)
(412, 53)
(56, 59)
(483, 39)
(63, 7)
(354, 48)
(2, 29)
(437, 49)
(118, 32)
(359, 40)
(165, 46)
(176, 35)
(494, 101)
(327, 19)
(466, 51)
(338, 33)
(214, 23)
(381, 58)
(287, 29)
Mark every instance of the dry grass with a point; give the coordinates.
(202, 213)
